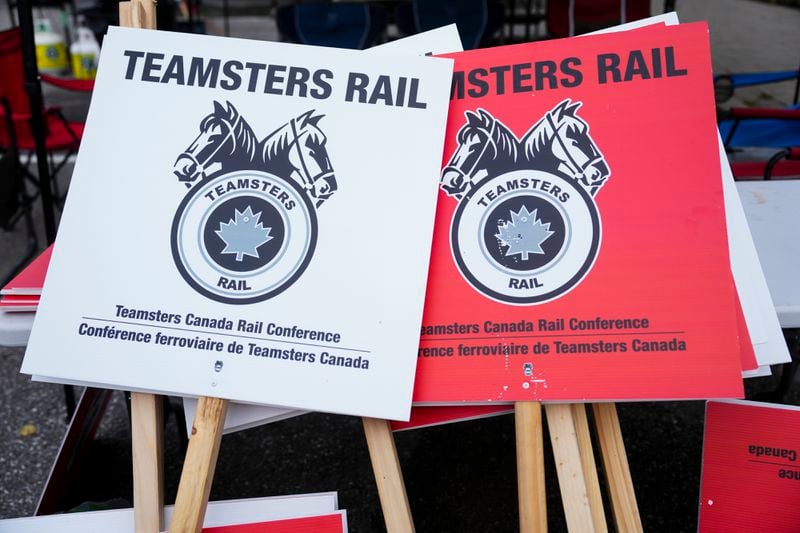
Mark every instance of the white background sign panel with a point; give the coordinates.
(271, 247)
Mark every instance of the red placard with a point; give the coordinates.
(332, 523)
(580, 248)
(751, 472)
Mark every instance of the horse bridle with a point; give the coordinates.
(308, 179)
(467, 175)
(201, 166)
(578, 170)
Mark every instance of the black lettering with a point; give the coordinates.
(608, 64)
(323, 89)
(174, 71)
(234, 79)
(357, 83)
(572, 76)
(480, 87)
(636, 66)
(133, 56)
(546, 70)
(255, 69)
(151, 68)
(457, 87)
(521, 75)
(203, 77)
(273, 78)
(298, 79)
(499, 72)
(669, 55)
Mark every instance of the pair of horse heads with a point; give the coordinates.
(227, 143)
(559, 143)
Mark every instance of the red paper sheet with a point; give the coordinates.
(751, 472)
(649, 228)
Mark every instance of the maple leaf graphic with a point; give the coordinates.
(523, 234)
(243, 234)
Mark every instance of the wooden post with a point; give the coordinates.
(148, 461)
(199, 465)
(147, 421)
(589, 467)
(388, 476)
(531, 490)
(618, 474)
(571, 478)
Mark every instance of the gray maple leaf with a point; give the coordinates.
(523, 234)
(243, 234)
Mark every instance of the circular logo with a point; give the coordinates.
(525, 237)
(244, 237)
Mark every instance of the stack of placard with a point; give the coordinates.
(267, 222)
(655, 265)
(299, 513)
(23, 291)
(658, 276)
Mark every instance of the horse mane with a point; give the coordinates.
(277, 142)
(244, 139)
(540, 135)
(505, 140)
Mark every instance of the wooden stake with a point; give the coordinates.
(199, 466)
(388, 476)
(531, 490)
(125, 18)
(148, 461)
(618, 474)
(571, 478)
(589, 466)
(147, 420)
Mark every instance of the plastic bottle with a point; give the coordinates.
(51, 52)
(84, 52)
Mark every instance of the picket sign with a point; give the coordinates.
(206, 435)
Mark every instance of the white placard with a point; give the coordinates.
(265, 240)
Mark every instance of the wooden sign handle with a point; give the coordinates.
(618, 474)
(388, 476)
(531, 491)
(147, 438)
(199, 466)
(147, 423)
(569, 466)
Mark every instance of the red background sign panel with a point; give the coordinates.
(663, 254)
(751, 472)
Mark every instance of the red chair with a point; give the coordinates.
(61, 135)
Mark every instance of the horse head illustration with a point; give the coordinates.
(485, 146)
(298, 149)
(560, 142)
(226, 142)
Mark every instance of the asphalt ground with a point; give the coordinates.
(459, 477)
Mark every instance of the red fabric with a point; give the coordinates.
(69, 83)
(60, 135)
(794, 153)
(764, 112)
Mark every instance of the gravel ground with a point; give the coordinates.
(459, 477)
